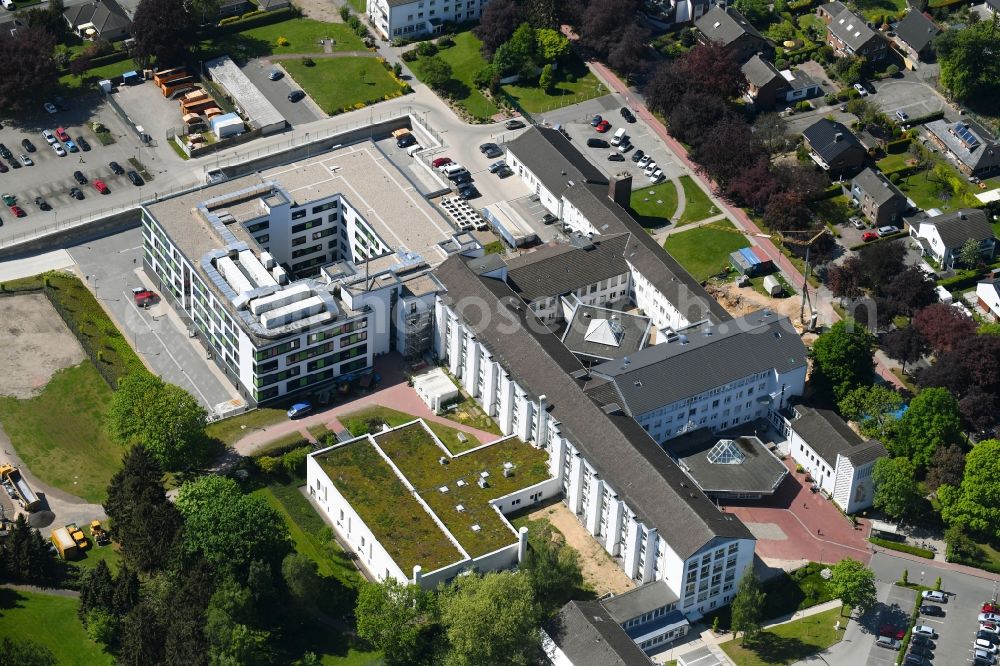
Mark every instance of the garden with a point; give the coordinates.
(788, 643)
(465, 61)
(370, 419)
(704, 251)
(297, 36)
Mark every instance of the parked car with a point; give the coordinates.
(988, 636)
(597, 143)
(650, 168)
(657, 176)
(893, 632)
(440, 162)
(296, 96)
(925, 630)
(989, 616)
(869, 236)
(70, 146)
(60, 151)
(49, 137)
(116, 168)
(405, 141)
(991, 627)
(932, 610)
(645, 160)
(888, 230)
(79, 177)
(76, 192)
(935, 595)
(922, 641)
(134, 177)
(17, 211)
(861, 89)
(299, 409)
(857, 223)
(902, 116)
(638, 155)
(61, 134)
(8, 199)
(625, 146)
(84, 146)
(513, 124)
(616, 157)
(505, 171)
(5, 152)
(101, 187)
(496, 166)
(921, 651)
(603, 127)
(549, 218)
(491, 150)
(468, 191)
(275, 74)
(30, 147)
(627, 115)
(596, 120)
(983, 656)
(25, 160)
(984, 644)
(914, 660)
(888, 642)
(42, 204)
(144, 297)
(50, 107)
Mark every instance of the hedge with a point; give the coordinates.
(254, 21)
(897, 146)
(799, 5)
(903, 548)
(963, 280)
(977, 564)
(930, 117)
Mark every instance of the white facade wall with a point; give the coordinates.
(411, 20)
(854, 489)
(822, 472)
(548, 199)
(655, 305)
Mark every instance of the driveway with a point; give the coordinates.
(906, 94)
(276, 92)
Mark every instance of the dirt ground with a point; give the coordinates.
(600, 571)
(327, 11)
(34, 344)
(739, 301)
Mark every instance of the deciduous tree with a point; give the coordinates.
(943, 326)
(553, 569)
(398, 620)
(911, 290)
(932, 421)
(895, 486)
(970, 254)
(786, 211)
(947, 467)
(854, 584)
(881, 262)
(755, 11)
(964, 70)
(974, 504)
(748, 606)
(552, 45)
(845, 279)
(498, 22)
(753, 187)
(602, 21)
(163, 31)
(843, 358)
(25, 653)
(29, 66)
(873, 406)
(980, 410)
(905, 345)
(435, 72)
(727, 150)
(630, 53)
(546, 80)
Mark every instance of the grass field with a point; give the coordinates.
(469, 413)
(535, 100)
(654, 206)
(95, 554)
(697, 205)
(231, 430)
(92, 76)
(357, 424)
(337, 84)
(303, 36)
(465, 61)
(50, 621)
(704, 251)
(788, 643)
(60, 436)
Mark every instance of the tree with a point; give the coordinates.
(881, 262)
(753, 187)
(947, 467)
(843, 358)
(551, 45)
(980, 410)
(230, 529)
(25, 555)
(854, 584)
(845, 279)
(943, 326)
(553, 569)
(872, 406)
(301, 578)
(911, 290)
(204, 11)
(398, 620)
(630, 53)
(895, 486)
(973, 506)
(707, 68)
(163, 31)
(522, 46)
(542, 13)
(102, 626)
(727, 150)
(25, 653)
(126, 593)
(142, 639)
(602, 21)
(491, 619)
(696, 115)
(188, 595)
(964, 71)
(546, 80)
(29, 65)
(164, 417)
(78, 66)
(755, 11)
(96, 590)
(435, 72)
(786, 211)
(770, 129)
(970, 254)
(905, 345)
(146, 524)
(748, 606)
(932, 421)
(497, 23)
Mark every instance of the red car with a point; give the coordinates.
(603, 126)
(892, 632)
(61, 134)
(989, 607)
(18, 211)
(144, 297)
(440, 162)
(869, 236)
(101, 187)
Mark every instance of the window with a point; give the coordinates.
(299, 214)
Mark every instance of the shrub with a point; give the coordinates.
(427, 49)
(409, 56)
(229, 20)
(894, 178)
(345, 13)
(830, 98)
(360, 30)
(251, 14)
(570, 77)
(308, 62)
(445, 42)
(892, 70)
(353, 21)
(903, 548)
(268, 464)
(294, 462)
(780, 64)
(102, 626)
(397, 69)
(282, 41)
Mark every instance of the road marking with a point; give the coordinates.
(129, 249)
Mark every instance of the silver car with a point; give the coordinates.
(60, 151)
(25, 160)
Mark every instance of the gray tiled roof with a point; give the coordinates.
(851, 29)
(866, 453)
(759, 472)
(644, 477)
(759, 72)
(106, 15)
(916, 30)
(982, 157)
(589, 636)
(825, 432)
(634, 333)
(822, 137)
(553, 159)
(959, 226)
(876, 185)
(556, 269)
(697, 362)
(643, 599)
(725, 26)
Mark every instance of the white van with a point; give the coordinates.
(412, 150)
(8, 5)
(619, 135)
(454, 167)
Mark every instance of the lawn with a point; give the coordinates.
(835, 210)
(788, 643)
(340, 84)
(303, 36)
(894, 162)
(60, 436)
(358, 423)
(536, 100)
(90, 557)
(704, 251)
(465, 61)
(697, 205)
(231, 430)
(92, 76)
(802, 588)
(875, 9)
(51, 621)
(654, 206)
(928, 192)
(469, 413)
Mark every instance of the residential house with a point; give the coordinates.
(914, 38)
(971, 145)
(828, 10)
(849, 35)
(988, 296)
(839, 461)
(731, 29)
(941, 237)
(415, 18)
(585, 634)
(12, 26)
(879, 200)
(765, 85)
(676, 12)
(992, 6)
(800, 85)
(834, 147)
(101, 18)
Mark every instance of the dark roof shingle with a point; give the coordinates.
(553, 159)
(725, 26)
(589, 636)
(822, 136)
(876, 185)
(825, 432)
(917, 30)
(959, 226)
(554, 270)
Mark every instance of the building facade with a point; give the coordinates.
(417, 18)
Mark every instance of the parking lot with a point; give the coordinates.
(276, 92)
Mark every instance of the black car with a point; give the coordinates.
(637, 155)
(5, 152)
(513, 124)
(84, 146)
(922, 641)
(405, 141)
(76, 193)
(921, 651)
(931, 609)
(30, 147)
(42, 203)
(627, 115)
(504, 171)
(135, 178)
(597, 143)
(616, 157)
(596, 120)
(988, 636)
(80, 178)
(549, 218)
(468, 192)
(486, 147)
(116, 168)
(295, 96)
(914, 660)
(462, 178)
(3, 167)
(491, 150)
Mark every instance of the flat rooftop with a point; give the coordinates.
(605, 334)
(727, 462)
(245, 94)
(402, 525)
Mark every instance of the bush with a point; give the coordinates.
(780, 64)
(830, 98)
(345, 13)
(570, 77)
(282, 41)
(353, 21)
(360, 30)
(294, 462)
(445, 42)
(308, 62)
(102, 626)
(894, 178)
(903, 548)
(268, 464)
(803, 106)
(409, 56)
(397, 69)
(427, 49)
(892, 70)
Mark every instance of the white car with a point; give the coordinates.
(60, 151)
(656, 176)
(935, 595)
(650, 168)
(983, 644)
(924, 630)
(861, 89)
(49, 136)
(989, 617)
(644, 160)
(50, 107)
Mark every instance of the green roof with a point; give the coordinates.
(400, 523)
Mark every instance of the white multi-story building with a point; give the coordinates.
(417, 18)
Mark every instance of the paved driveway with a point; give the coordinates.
(276, 92)
(914, 97)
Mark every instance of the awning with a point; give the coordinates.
(886, 528)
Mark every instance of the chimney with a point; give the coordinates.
(620, 189)
(838, 136)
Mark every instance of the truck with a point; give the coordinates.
(100, 534)
(22, 491)
(65, 544)
(78, 536)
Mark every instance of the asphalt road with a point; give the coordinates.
(276, 92)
